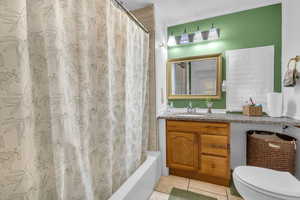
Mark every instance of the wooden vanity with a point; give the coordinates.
(198, 146)
(199, 150)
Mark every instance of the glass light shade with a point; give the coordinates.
(184, 39)
(198, 37)
(172, 41)
(213, 34)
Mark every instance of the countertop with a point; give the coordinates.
(238, 118)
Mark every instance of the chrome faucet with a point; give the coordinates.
(170, 106)
(190, 108)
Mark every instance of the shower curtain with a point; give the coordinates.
(73, 99)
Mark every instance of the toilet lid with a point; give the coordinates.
(282, 183)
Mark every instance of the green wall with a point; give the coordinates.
(246, 29)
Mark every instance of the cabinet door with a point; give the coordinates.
(182, 150)
(215, 166)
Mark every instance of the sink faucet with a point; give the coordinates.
(190, 108)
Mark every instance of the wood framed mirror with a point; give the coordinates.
(198, 77)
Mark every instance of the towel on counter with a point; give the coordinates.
(291, 75)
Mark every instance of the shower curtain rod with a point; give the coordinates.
(131, 16)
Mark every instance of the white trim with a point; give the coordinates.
(162, 146)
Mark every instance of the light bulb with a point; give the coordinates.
(213, 34)
(172, 41)
(198, 37)
(184, 39)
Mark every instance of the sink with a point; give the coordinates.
(190, 114)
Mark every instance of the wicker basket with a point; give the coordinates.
(271, 150)
(250, 110)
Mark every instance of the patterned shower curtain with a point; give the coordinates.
(73, 99)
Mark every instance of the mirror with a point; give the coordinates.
(195, 77)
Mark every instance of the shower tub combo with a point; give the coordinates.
(141, 184)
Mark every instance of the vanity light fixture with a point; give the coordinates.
(184, 38)
(198, 36)
(213, 33)
(172, 41)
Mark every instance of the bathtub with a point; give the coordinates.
(140, 185)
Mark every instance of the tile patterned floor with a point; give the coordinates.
(159, 196)
(166, 183)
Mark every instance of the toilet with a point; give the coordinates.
(254, 183)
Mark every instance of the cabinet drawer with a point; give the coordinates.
(215, 166)
(183, 126)
(215, 145)
(215, 130)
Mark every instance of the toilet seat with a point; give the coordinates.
(269, 181)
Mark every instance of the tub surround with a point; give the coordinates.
(229, 118)
(141, 183)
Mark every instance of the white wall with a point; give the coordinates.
(161, 56)
(291, 48)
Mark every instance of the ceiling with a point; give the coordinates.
(173, 12)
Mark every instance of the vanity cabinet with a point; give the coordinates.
(199, 150)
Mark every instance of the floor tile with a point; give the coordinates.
(166, 183)
(231, 197)
(208, 187)
(159, 196)
(209, 194)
